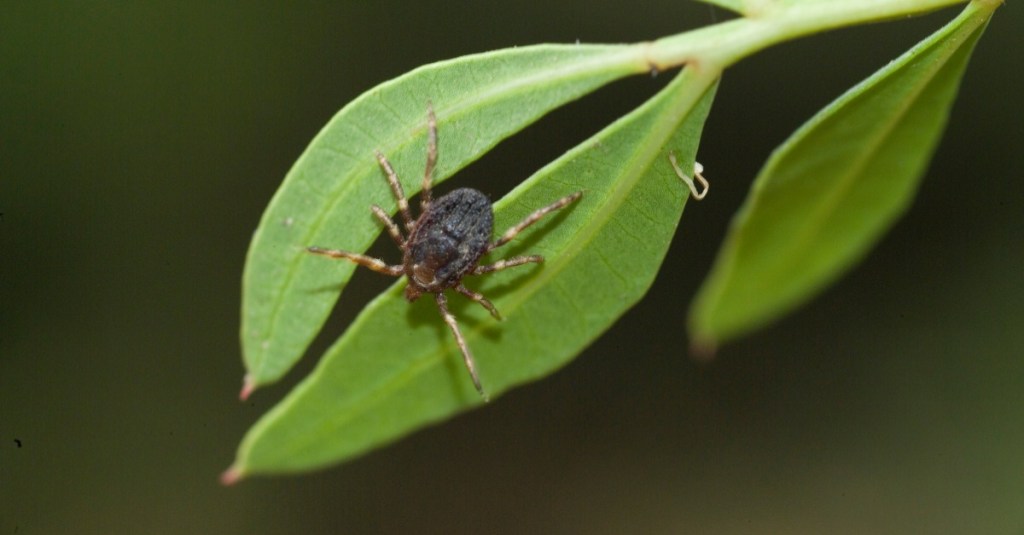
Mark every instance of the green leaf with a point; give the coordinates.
(397, 367)
(325, 199)
(832, 190)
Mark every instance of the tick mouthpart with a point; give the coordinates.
(412, 292)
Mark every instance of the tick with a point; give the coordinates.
(445, 243)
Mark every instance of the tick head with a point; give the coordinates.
(423, 273)
(422, 278)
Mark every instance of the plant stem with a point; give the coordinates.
(714, 48)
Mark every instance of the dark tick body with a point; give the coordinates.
(448, 241)
(445, 243)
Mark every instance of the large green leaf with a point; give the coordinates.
(832, 190)
(397, 367)
(325, 199)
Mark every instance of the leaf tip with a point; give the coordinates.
(248, 385)
(231, 476)
(703, 349)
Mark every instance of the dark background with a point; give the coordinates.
(139, 144)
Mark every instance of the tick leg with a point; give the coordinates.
(533, 218)
(507, 263)
(428, 173)
(479, 298)
(396, 189)
(375, 264)
(389, 224)
(442, 305)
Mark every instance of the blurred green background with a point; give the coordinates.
(139, 143)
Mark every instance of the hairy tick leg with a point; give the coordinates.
(479, 298)
(507, 263)
(396, 189)
(533, 218)
(428, 172)
(375, 264)
(467, 357)
(389, 224)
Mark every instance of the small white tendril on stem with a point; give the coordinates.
(697, 170)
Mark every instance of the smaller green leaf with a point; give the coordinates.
(832, 190)
(397, 368)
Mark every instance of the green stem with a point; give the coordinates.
(714, 48)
